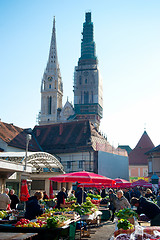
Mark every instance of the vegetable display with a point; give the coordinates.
(85, 208)
(26, 223)
(126, 213)
(56, 221)
(124, 224)
(71, 199)
(3, 214)
(94, 196)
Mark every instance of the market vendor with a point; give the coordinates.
(79, 195)
(112, 199)
(14, 199)
(4, 200)
(61, 197)
(33, 208)
(121, 201)
(150, 209)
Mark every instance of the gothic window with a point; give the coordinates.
(44, 85)
(49, 105)
(86, 81)
(50, 86)
(92, 96)
(80, 80)
(86, 97)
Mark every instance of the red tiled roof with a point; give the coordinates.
(137, 156)
(63, 137)
(20, 142)
(8, 131)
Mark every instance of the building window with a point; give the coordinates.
(68, 164)
(86, 81)
(81, 97)
(81, 164)
(49, 105)
(92, 96)
(86, 97)
(149, 166)
(80, 80)
(50, 86)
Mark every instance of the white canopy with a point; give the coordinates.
(40, 161)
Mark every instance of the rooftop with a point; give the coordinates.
(137, 156)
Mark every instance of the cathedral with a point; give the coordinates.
(88, 90)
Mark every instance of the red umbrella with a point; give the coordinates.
(122, 183)
(95, 185)
(51, 195)
(24, 191)
(141, 183)
(82, 177)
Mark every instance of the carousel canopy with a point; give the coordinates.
(40, 161)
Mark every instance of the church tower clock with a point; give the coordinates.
(51, 87)
(88, 96)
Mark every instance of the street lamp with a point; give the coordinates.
(28, 138)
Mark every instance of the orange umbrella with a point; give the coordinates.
(24, 191)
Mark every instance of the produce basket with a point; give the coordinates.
(120, 231)
(66, 205)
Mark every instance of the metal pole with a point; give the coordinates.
(28, 138)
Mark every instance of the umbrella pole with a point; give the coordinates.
(83, 193)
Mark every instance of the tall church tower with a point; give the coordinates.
(51, 87)
(88, 96)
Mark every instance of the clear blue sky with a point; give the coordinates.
(127, 36)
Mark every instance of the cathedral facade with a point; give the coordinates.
(88, 96)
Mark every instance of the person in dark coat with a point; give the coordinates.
(14, 199)
(79, 196)
(33, 208)
(150, 209)
(103, 193)
(61, 197)
(149, 194)
(112, 199)
(127, 194)
(45, 196)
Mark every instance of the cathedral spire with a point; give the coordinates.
(52, 86)
(88, 46)
(52, 65)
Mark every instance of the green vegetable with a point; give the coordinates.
(84, 208)
(94, 196)
(55, 221)
(126, 213)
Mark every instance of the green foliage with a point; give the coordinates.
(94, 196)
(84, 208)
(124, 224)
(55, 221)
(71, 199)
(126, 213)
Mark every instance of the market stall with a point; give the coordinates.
(48, 226)
(127, 226)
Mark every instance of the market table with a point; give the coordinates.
(91, 219)
(16, 236)
(43, 233)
